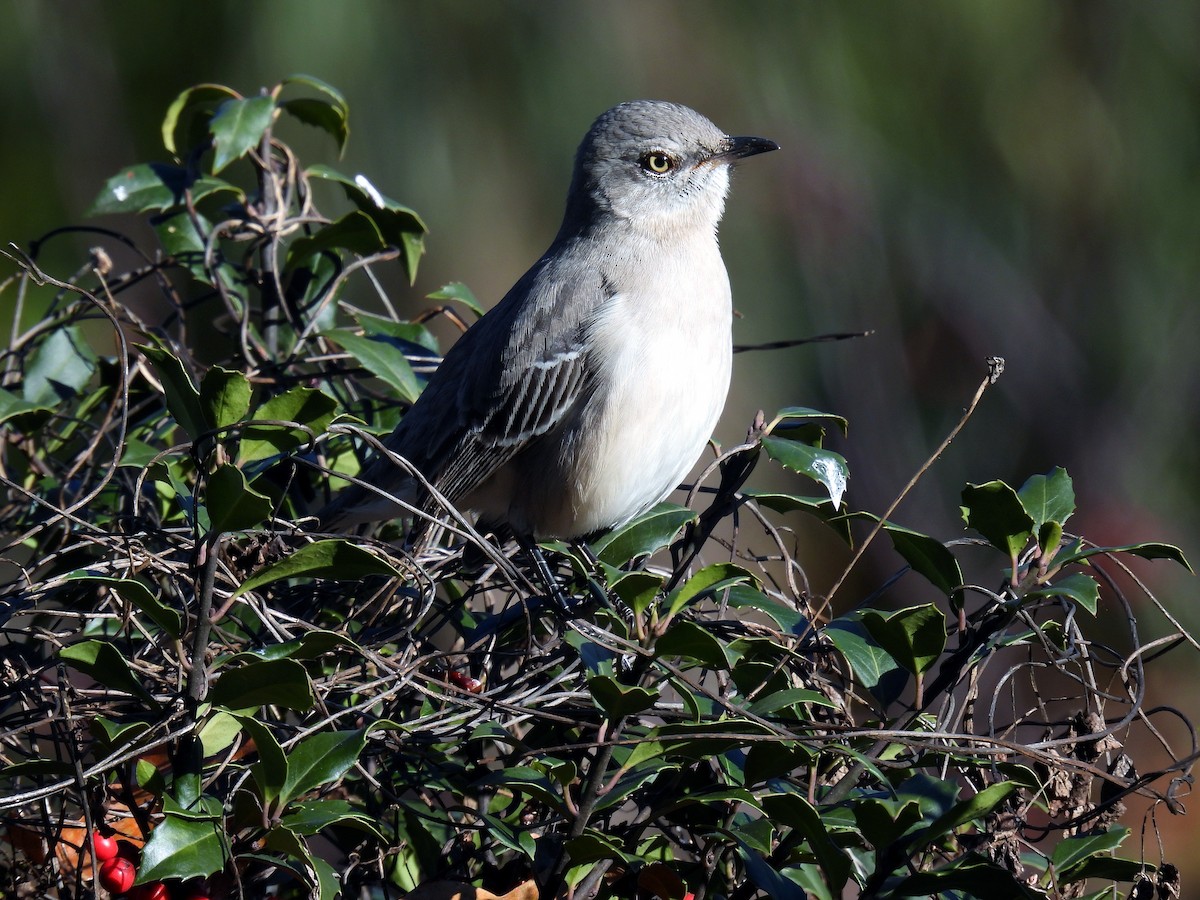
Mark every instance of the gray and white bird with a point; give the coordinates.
(589, 392)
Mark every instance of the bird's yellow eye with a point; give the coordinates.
(657, 161)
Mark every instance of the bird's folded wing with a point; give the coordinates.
(535, 376)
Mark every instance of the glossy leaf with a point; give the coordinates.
(690, 641)
(238, 127)
(928, 557)
(645, 535)
(355, 231)
(1048, 498)
(102, 662)
(271, 770)
(329, 117)
(995, 511)
(383, 357)
(232, 504)
(914, 637)
(183, 848)
(638, 590)
(711, 579)
(1080, 588)
(824, 466)
(1073, 851)
(185, 125)
(797, 813)
(788, 618)
(309, 817)
(183, 399)
(321, 759)
(617, 700)
(399, 225)
(334, 558)
(302, 405)
(155, 187)
(873, 666)
(61, 368)
(456, 290)
(139, 596)
(969, 875)
(1148, 550)
(12, 406)
(225, 396)
(791, 415)
(275, 682)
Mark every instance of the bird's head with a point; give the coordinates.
(657, 167)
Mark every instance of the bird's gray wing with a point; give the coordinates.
(509, 379)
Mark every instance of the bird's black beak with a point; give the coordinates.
(740, 147)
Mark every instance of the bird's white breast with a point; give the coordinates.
(664, 346)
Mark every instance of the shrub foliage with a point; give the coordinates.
(253, 706)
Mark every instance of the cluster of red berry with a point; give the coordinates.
(118, 872)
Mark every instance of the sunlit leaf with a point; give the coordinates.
(238, 127)
(335, 558)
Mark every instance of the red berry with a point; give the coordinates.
(104, 846)
(155, 890)
(118, 875)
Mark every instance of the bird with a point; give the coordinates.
(588, 393)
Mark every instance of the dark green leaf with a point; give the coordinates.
(183, 399)
(1150, 550)
(1080, 588)
(11, 405)
(456, 290)
(688, 640)
(971, 875)
(271, 770)
(417, 336)
(355, 231)
(824, 466)
(312, 816)
(272, 682)
(617, 700)
(1104, 868)
(637, 590)
(1073, 851)
(302, 405)
(399, 225)
(791, 415)
(238, 127)
(232, 504)
(155, 187)
(797, 813)
(1048, 498)
(643, 536)
(873, 666)
(102, 661)
(592, 847)
(766, 878)
(185, 125)
(995, 511)
(967, 811)
(791, 697)
(112, 734)
(786, 617)
(928, 557)
(329, 117)
(225, 396)
(61, 368)
(710, 579)
(335, 558)
(140, 596)
(183, 848)
(321, 759)
(914, 637)
(381, 356)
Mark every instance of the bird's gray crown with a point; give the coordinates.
(644, 162)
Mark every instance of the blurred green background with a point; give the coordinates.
(1013, 178)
